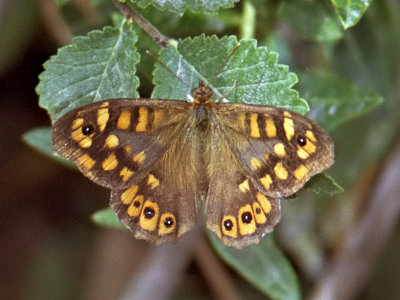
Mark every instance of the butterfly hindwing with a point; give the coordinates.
(236, 211)
(164, 204)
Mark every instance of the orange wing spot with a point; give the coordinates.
(77, 123)
(126, 174)
(264, 202)
(141, 126)
(255, 163)
(266, 155)
(280, 171)
(127, 149)
(259, 213)
(110, 163)
(158, 118)
(287, 114)
(247, 224)
(135, 207)
(310, 147)
(152, 181)
(244, 186)
(229, 226)
(279, 149)
(124, 120)
(129, 194)
(167, 224)
(270, 128)
(103, 116)
(310, 135)
(139, 157)
(87, 162)
(242, 120)
(149, 216)
(254, 130)
(86, 142)
(301, 172)
(288, 127)
(112, 141)
(303, 154)
(266, 181)
(83, 141)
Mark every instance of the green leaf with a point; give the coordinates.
(323, 183)
(311, 20)
(40, 139)
(350, 12)
(179, 6)
(264, 266)
(95, 67)
(107, 218)
(335, 101)
(259, 79)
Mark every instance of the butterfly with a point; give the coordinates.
(167, 160)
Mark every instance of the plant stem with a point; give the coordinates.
(132, 15)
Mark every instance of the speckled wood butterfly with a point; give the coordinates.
(165, 159)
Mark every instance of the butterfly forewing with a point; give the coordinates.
(116, 142)
(278, 149)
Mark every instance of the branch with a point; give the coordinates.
(132, 15)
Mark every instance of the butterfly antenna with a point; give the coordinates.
(228, 93)
(227, 59)
(165, 66)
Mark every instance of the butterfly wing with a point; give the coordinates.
(279, 150)
(144, 151)
(163, 205)
(236, 210)
(115, 142)
(258, 155)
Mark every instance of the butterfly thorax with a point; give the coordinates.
(202, 105)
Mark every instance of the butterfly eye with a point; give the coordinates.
(301, 140)
(87, 129)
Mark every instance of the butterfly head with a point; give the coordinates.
(202, 95)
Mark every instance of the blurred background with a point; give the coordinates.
(349, 243)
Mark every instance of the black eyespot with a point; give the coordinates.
(168, 222)
(301, 140)
(228, 224)
(87, 129)
(247, 217)
(136, 204)
(258, 211)
(148, 212)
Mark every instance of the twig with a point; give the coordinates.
(132, 15)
